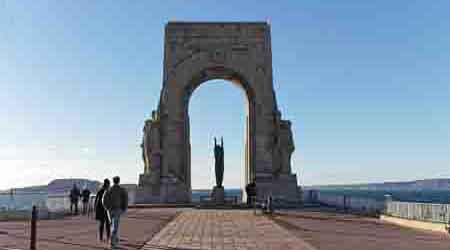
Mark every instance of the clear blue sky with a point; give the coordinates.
(365, 83)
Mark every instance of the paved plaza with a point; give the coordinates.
(330, 231)
(79, 232)
(224, 230)
(183, 229)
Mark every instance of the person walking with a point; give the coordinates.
(100, 212)
(247, 191)
(74, 197)
(85, 194)
(115, 201)
(250, 189)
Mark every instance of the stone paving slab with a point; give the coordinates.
(224, 230)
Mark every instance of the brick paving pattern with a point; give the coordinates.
(329, 231)
(224, 230)
(80, 232)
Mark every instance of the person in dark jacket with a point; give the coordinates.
(115, 201)
(247, 191)
(85, 195)
(100, 212)
(250, 189)
(74, 197)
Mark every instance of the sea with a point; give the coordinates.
(421, 196)
(21, 201)
(24, 201)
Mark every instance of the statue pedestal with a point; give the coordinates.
(156, 189)
(283, 187)
(218, 195)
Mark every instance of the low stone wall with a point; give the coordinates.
(438, 213)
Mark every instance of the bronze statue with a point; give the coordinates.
(219, 162)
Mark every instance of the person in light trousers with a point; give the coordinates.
(115, 201)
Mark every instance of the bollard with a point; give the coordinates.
(33, 229)
(254, 204)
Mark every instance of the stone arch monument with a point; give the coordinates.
(193, 54)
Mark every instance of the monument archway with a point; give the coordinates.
(193, 54)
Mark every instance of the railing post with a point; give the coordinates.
(387, 200)
(33, 229)
(345, 203)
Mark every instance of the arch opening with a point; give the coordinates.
(226, 77)
(217, 109)
(218, 73)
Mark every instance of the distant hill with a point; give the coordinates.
(426, 184)
(61, 186)
(30, 189)
(57, 186)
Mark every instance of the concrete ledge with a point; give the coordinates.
(430, 226)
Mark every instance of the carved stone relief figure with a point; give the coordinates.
(276, 161)
(144, 155)
(283, 145)
(287, 146)
(151, 143)
(146, 146)
(155, 143)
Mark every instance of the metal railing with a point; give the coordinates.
(21, 201)
(438, 213)
(350, 203)
(19, 205)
